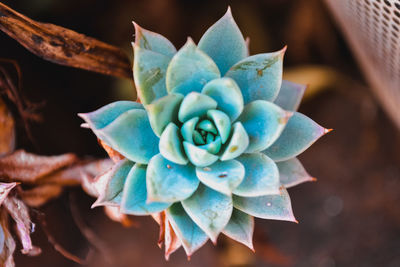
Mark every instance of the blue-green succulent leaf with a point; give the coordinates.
(259, 76)
(112, 185)
(191, 236)
(264, 122)
(237, 143)
(131, 135)
(163, 111)
(213, 146)
(290, 95)
(227, 94)
(273, 207)
(187, 129)
(171, 145)
(299, 133)
(198, 156)
(103, 116)
(292, 172)
(224, 42)
(222, 122)
(262, 176)
(240, 228)
(134, 196)
(208, 126)
(190, 69)
(222, 176)
(149, 72)
(169, 182)
(153, 41)
(197, 138)
(209, 209)
(195, 105)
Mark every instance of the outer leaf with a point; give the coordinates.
(262, 176)
(292, 172)
(111, 186)
(290, 95)
(191, 236)
(195, 105)
(222, 176)
(102, 117)
(273, 207)
(237, 144)
(134, 195)
(264, 122)
(131, 135)
(224, 42)
(227, 94)
(169, 182)
(5, 189)
(171, 145)
(209, 209)
(153, 41)
(149, 72)
(240, 228)
(190, 69)
(163, 111)
(259, 76)
(299, 133)
(198, 156)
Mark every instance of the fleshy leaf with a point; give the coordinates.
(237, 144)
(195, 105)
(208, 126)
(169, 182)
(187, 129)
(111, 187)
(273, 207)
(153, 41)
(212, 147)
(134, 196)
(163, 111)
(209, 209)
(264, 122)
(198, 156)
(259, 76)
(292, 172)
(191, 236)
(149, 72)
(290, 95)
(222, 176)
(299, 133)
(131, 135)
(224, 42)
(222, 122)
(227, 94)
(240, 228)
(102, 117)
(262, 176)
(190, 69)
(171, 145)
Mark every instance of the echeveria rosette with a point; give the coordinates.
(214, 142)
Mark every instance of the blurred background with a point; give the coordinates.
(350, 217)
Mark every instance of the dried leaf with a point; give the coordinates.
(26, 167)
(113, 154)
(5, 188)
(75, 174)
(6, 255)
(171, 240)
(19, 212)
(64, 46)
(114, 214)
(7, 130)
(41, 194)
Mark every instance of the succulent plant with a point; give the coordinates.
(213, 142)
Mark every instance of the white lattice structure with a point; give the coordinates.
(372, 27)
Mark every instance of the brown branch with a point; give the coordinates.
(64, 46)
